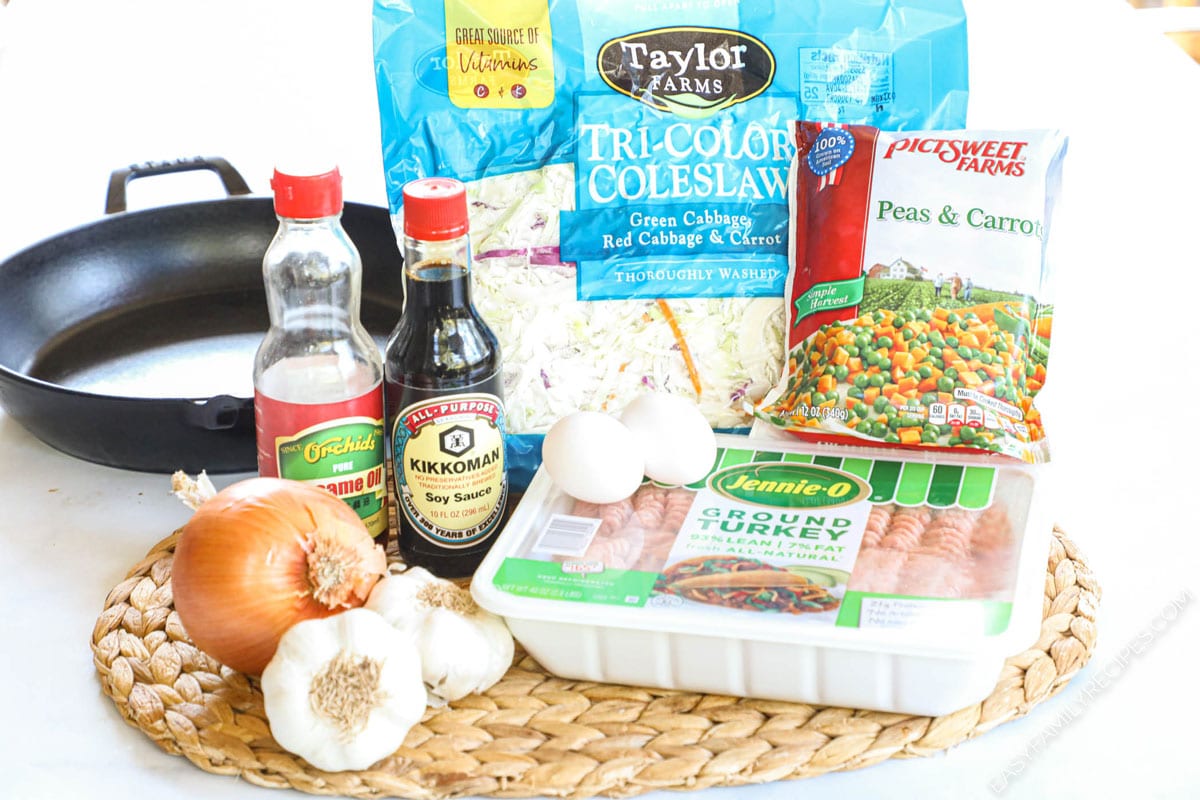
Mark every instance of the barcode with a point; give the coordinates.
(567, 536)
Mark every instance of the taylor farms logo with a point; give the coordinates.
(691, 72)
(988, 156)
(787, 485)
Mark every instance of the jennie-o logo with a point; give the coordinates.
(690, 72)
(788, 485)
(988, 156)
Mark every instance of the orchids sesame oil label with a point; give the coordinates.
(336, 446)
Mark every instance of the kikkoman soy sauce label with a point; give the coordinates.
(449, 465)
(346, 458)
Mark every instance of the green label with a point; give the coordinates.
(347, 460)
(554, 581)
(330, 450)
(828, 296)
(987, 617)
(788, 485)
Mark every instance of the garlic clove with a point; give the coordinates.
(464, 649)
(343, 692)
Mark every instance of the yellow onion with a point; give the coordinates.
(262, 555)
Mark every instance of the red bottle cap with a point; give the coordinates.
(435, 209)
(307, 196)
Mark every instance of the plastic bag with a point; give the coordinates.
(918, 296)
(627, 162)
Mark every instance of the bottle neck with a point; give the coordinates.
(437, 274)
(307, 223)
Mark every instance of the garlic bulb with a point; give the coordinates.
(464, 649)
(342, 692)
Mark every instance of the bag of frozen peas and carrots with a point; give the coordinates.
(627, 163)
(918, 298)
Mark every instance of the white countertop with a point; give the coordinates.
(86, 87)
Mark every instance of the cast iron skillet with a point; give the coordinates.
(130, 341)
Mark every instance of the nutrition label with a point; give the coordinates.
(846, 80)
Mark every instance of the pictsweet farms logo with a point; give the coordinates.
(988, 156)
(688, 71)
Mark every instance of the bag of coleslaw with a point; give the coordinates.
(627, 165)
(918, 301)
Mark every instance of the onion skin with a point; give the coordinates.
(262, 555)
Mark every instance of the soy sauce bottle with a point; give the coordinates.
(444, 396)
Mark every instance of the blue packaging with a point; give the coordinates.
(627, 166)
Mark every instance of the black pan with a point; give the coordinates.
(130, 341)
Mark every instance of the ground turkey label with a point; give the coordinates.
(449, 464)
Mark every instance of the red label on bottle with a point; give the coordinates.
(337, 446)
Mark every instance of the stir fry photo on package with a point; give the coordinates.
(626, 165)
(918, 302)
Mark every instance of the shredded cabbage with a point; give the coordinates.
(561, 354)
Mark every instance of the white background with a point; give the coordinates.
(86, 87)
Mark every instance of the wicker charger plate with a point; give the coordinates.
(534, 734)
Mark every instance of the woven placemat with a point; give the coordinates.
(534, 734)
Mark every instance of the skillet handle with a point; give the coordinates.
(218, 413)
(230, 177)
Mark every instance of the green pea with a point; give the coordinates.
(951, 373)
(925, 315)
(880, 404)
(861, 410)
(878, 430)
(860, 380)
(863, 427)
(923, 337)
(890, 411)
(877, 380)
(817, 399)
(931, 429)
(1000, 347)
(885, 364)
(892, 438)
(929, 438)
(885, 342)
(986, 358)
(952, 341)
(873, 358)
(925, 371)
(945, 384)
(964, 352)
(967, 434)
(862, 341)
(841, 371)
(907, 333)
(945, 428)
(852, 350)
(954, 441)
(855, 393)
(952, 318)
(896, 422)
(929, 398)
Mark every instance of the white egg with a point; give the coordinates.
(593, 457)
(676, 440)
